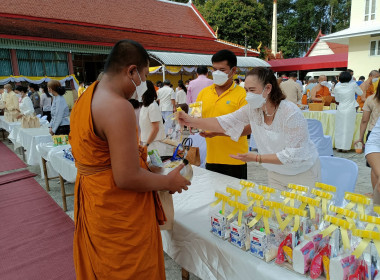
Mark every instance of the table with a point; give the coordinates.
(196, 249)
(327, 118)
(8, 126)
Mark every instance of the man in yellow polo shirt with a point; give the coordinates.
(221, 98)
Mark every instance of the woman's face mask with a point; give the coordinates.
(255, 100)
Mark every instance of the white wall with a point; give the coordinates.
(358, 12)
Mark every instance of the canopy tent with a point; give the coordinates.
(174, 63)
(39, 80)
(309, 63)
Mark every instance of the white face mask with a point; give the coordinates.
(255, 100)
(41, 90)
(5, 91)
(374, 80)
(141, 88)
(324, 83)
(219, 77)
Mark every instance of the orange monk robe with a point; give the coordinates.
(322, 92)
(117, 233)
(369, 92)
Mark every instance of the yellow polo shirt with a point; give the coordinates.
(220, 148)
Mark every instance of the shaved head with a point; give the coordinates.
(126, 53)
(8, 87)
(322, 78)
(374, 74)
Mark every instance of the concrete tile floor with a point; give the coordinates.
(255, 173)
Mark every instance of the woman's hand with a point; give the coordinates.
(51, 131)
(208, 134)
(177, 182)
(245, 157)
(184, 119)
(359, 141)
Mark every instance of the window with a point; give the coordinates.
(5, 63)
(370, 10)
(374, 48)
(42, 63)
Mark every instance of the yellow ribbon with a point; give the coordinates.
(292, 213)
(289, 197)
(220, 198)
(367, 236)
(261, 214)
(239, 207)
(312, 202)
(336, 223)
(275, 206)
(247, 184)
(376, 209)
(256, 198)
(296, 189)
(325, 197)
(325, 187)
(267, 191)
(358, 200)
(234, 192)
(195, 104)
(343, 212)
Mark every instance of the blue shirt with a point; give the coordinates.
(59, 113)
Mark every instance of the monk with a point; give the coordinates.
(368, 87)
(117, 209)
(320, 90)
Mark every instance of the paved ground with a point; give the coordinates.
(255, 173)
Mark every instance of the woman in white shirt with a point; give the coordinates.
(45, 102)
(346, 113)
(26, 106)
(279, 129)
(180, 97)
(151, 124)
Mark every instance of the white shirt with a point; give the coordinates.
(26, 106)
(59, 113)
(345, 94)
(147, 116)
(45, 102)
(180, 97)
(165, 96)
(373, 143)
(287, 136)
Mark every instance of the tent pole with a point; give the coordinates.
(163, 72)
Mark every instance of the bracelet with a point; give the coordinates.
(260, 160)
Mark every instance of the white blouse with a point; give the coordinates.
(287, 136)
(26, 106)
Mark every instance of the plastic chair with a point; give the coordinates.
(321, 141)
(252, 144)
(200, 142)
(341, 173)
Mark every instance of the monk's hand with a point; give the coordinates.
(177, 182)
(245, 157)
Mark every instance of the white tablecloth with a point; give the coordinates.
(63, 166)
(29, 138)
(8, 126)
(195, 248)
(43, 149)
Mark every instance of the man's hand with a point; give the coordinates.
(207, 134)
(177, 182)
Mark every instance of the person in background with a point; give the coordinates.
(361, 80)
(237, 81)
(60, 122)
(346, 114)
(166, 99)
(279, 81)
(180, 82)
(292, 89)
(241, 82)
(180, 97)
(152, 127)
(224, 97)
(117, 209)
(372, 154)
(371, 113)
(278, 126)
(11, 103)
(26, 106)
(137, 107)
(368, 87)
(321, 90)
(195, 86)
(159, 85)
(311, 83)
(46, 101)
(81, 88)
(36, 99)
(187, 83)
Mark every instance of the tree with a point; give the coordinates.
(237, 20)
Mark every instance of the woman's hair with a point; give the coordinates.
(150, 95)
(377, 94)
(345, 77)
(183, 87)
(135, 103)
(45, 89)
(266, 76)
(21, 88)
(56, 86)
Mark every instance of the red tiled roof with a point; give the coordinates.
(33, 29)
(338, 48)
(148, 15)
(309, 63)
